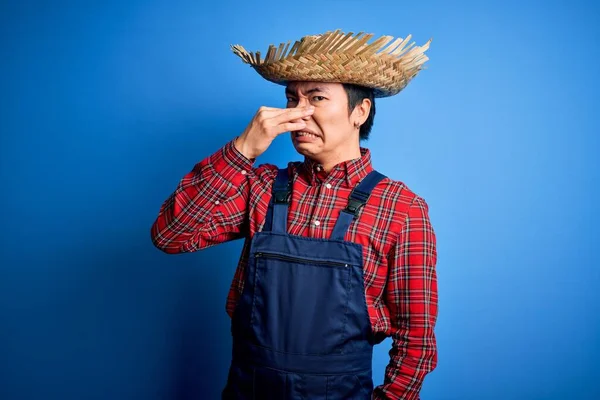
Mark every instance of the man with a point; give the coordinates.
(337, 256)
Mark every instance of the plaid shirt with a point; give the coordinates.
(225, 197)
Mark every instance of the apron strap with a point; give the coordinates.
(277, 212)
(358, 198)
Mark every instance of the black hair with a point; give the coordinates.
(356, 94)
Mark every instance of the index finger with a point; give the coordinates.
(272, 111)
(291, 114)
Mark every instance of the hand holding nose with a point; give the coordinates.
(304, 117)
(267, 124)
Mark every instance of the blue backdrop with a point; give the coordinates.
(106, 105)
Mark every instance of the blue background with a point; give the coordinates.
(105, 106)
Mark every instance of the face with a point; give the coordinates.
(330, 131)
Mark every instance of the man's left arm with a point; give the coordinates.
(412, 299)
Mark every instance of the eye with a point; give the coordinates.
(291, 99)
(318, 98)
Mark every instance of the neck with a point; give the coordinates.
(329, 161)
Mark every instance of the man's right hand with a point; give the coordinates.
(267, 124)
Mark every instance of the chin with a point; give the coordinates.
(306, 149)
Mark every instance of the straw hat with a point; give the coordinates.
(338, 57)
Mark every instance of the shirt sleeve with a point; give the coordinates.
(412, 299)
(209, 205)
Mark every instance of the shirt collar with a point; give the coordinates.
(347, 173)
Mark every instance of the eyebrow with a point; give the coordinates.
(288, 91)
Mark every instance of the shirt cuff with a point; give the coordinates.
(231, 164)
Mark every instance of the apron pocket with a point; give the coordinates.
(358, 386)
(300, 306)
(270, 384)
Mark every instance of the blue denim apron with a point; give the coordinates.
(301, 329)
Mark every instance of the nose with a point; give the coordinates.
(304, 118)
(302, 102)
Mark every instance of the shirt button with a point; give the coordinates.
(328, 186)
(319, 168)
(317, 223)
(244, 172)
(217, 202)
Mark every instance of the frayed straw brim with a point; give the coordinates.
(338, 57)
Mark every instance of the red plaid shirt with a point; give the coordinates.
(225, 197)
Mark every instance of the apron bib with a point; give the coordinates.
(301, 328)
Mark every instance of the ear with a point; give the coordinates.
(361, 112)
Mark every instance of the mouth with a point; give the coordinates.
(305, 134)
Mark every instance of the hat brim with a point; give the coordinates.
(343, 58)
